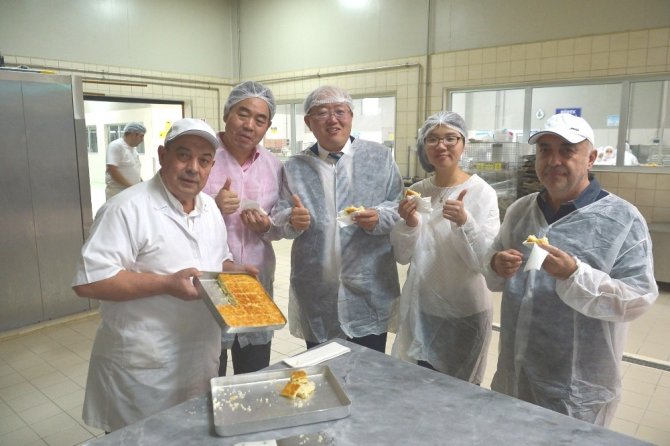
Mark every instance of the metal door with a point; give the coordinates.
(41, 198)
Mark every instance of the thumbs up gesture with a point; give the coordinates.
(454, 210)
(227, 200)
(299, 218)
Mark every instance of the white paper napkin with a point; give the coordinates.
(536, 258)
(251, 204)
(422, 204)
(344, 219)
(317, 355)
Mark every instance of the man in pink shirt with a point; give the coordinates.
(245, 181)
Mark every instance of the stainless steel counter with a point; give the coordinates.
(392, 403)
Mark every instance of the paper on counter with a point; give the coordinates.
(317, 355)
(253, 205)
(536, 258)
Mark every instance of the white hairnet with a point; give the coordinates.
(446, 118)
(327, 94)
(134, 127)
(246, 90)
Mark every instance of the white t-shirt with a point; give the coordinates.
(127, 160)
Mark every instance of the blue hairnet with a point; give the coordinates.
(134, 127)
(327, 94)
(446, 118)
(247, 90)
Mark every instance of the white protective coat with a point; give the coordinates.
(561, 341)
(150, 353)
(344, 280)
(444, 282)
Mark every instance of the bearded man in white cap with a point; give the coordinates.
(563, 326)
(157, 344)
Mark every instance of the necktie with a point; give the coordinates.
(335, 156)
(341, 182)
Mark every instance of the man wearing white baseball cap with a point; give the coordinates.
(157, 344)
(563, 327)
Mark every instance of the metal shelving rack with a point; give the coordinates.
(496, 163)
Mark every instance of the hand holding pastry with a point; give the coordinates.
(506, 263)
(558, 264)
(366, 219)
(256, 221)
(407, 210)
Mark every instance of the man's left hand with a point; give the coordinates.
(366, 219)
(255, 221)
(558, 264)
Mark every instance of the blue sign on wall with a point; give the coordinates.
(577, 111)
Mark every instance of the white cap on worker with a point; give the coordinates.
(570, 127)
(191, 126)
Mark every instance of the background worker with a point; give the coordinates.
(123, 162)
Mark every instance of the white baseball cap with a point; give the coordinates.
(191, 126)
(569, 127)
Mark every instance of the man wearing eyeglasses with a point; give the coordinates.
(344, 278)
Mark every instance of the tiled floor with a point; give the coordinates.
(43, 374)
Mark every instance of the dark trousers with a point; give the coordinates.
(249, 359)
(375, 342)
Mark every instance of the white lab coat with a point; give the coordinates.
(150, 353)
(561, 341)
(445, 311)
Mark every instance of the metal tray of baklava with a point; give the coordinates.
(210, 292)
(252, 402)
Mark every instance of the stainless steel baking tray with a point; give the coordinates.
(211, 293)
(247, 403)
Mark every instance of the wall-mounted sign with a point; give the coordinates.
(577, 111)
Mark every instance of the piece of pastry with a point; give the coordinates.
(306, 390)
(540, 241)
(411, 193)
(290, 390)
(299, 376)
(298, 386)
(251, 306)
(351, 209)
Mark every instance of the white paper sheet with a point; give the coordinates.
(317, 355)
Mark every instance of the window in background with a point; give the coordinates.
(278, 137)
(495, 120)
(374, 120)
(648, 138)
(106, 117)
(600, 105)
(630, 119)
(92, 139)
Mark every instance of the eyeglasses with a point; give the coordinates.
(449, 140)
(325, 114)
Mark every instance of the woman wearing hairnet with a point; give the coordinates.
(445, 312)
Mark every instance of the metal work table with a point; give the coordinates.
(392, 403)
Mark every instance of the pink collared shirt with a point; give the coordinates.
(258, 179)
